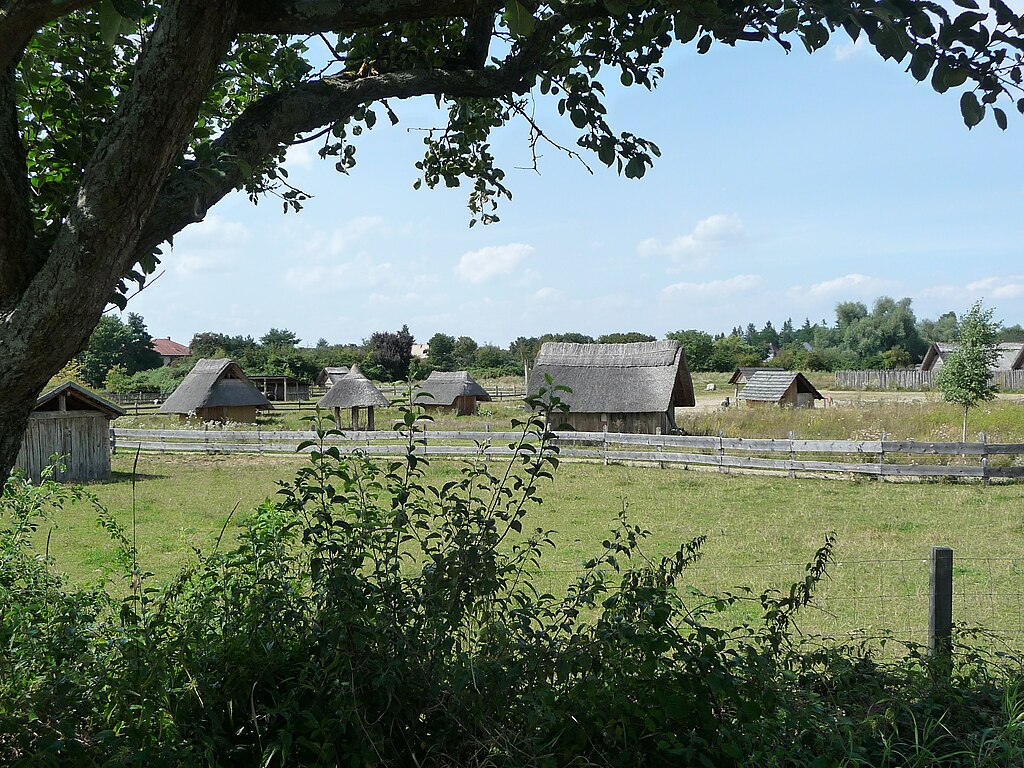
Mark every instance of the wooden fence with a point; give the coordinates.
(909, 379)
(879, 458)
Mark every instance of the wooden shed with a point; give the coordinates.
(331, 375)
(741, 375)
(353, 391)
(450, 392)
(74, 423)
(619, 387)
(281, 388)
(216, 390)
(789, 388)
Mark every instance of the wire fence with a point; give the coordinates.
(885, 603)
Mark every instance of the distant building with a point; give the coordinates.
(450, 392)
(741, 375)
(281, 388)
(171, 351)
(1011, 356)
(619, 387)
(331, 375)
(780, 388)
(421, 351)
(216, 390)
(74, 423)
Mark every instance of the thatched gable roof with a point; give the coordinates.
(1011, 355)
(331, 375)
(214, 384)
(743, 374)
(445, 387)
(771, 386)
(354, 390)
(77, 398)
(643, 377)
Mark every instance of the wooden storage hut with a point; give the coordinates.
(216, 390)
(619, 387)
(331, 375)
(450, 392)
(780, 388)
(740, 377)
(74, 423)
(353, 391)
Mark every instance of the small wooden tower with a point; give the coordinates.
(353, 391)
(74, 423)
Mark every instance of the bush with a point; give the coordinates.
(366, 618)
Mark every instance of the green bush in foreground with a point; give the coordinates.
(369, 619)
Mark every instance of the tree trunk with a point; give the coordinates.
(966, 408)
(13, 421)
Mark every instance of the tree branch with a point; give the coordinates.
(98, 241)
(19, 20)
(17, 264)
(312, 16)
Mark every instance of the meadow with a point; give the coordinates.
(760, 531)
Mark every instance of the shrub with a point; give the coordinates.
(366, 618)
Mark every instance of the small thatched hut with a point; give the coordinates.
(450, 392)
(216, 390)
(741, 375)
(331, 375)
(353, 391)
(74, 423)
(780, 388)
(619, 387)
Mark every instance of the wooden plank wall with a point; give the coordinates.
(83, 437)
(902, 379)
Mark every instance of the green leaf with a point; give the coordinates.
(130, 9)
(971, 109)
(110, 22)
(1000, 117)
(921, 62)
(520, 21)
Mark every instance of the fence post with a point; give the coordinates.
(881, 456)
(984, 459)
(113, 441)
(792, 454)
(661, 463)
(206, 435)
(604, 444)
(259, 437)
(940, 603)
(721, 452)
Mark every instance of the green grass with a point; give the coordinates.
(760, 530)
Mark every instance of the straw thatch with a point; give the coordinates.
(353, 390)
(624, 387)
(1011, 356)
(216, 390)
(445, 387)
(331, 375)
(780, 387)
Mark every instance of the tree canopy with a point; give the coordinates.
(122, 121)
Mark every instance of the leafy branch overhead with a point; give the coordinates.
(124, 121)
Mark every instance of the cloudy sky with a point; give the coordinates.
(787, 183)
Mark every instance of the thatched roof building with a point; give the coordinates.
(780, 388)
(216, 390)
(619, 387)
(450, 391)
(74, 423)
(331, 375)
(1011, 356)
(353, 391)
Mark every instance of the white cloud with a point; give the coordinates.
(490, 262)
(300, 156)
(546, 294)
(211, 245)
(715, 288)
(710, 236)
(848, 285)
(845, 50)
(353, 275)
(1008, 287)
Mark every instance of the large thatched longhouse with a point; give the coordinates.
(619, 387)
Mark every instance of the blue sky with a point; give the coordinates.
(787, 183)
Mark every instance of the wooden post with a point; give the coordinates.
(259, 437)
(369, 418)
(113, 441)
(940, 603)
(792, 455)
(604, 444)
(337, 418)
(721, 452)
(355, 418)
(881, 456)
(984, 459)
(206, 435)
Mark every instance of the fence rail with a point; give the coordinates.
(878, 458)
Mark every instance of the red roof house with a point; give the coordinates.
(170, 350)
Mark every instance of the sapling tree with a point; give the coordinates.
(965, 377)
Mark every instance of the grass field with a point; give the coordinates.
(760, 531)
